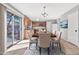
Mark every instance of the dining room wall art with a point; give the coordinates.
(63, 24)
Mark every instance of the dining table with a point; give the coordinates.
(37, 35)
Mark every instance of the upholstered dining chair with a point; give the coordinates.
(56, 40)
(32, 40)
(54, 32)
(44, 41)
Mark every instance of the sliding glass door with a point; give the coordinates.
(9, 29)
(13, 29)
(16, 28)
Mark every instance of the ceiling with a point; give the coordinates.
(34, 10)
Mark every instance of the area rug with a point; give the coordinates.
(33, 51)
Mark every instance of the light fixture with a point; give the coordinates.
(44, 13)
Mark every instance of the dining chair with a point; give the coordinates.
(44, 41)
(54, 32)
(56, 40)
(32, 40)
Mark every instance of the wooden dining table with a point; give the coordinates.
(37, 35)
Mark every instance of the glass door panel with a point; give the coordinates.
(13, 29)
(9, 29)
(16, 29)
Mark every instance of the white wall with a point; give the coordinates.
(50, 23)
(64, 30)
(54, 27)
(73, 21)
(2, 29)
(64, 33)
(72, 27)
(49, 26)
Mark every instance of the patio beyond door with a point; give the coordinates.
(16, 28)
(13, 29)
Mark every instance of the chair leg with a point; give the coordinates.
(48, 51)
(30, 45)
(59, 46)
(36, 45)
(40, 50)
(53, 45)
